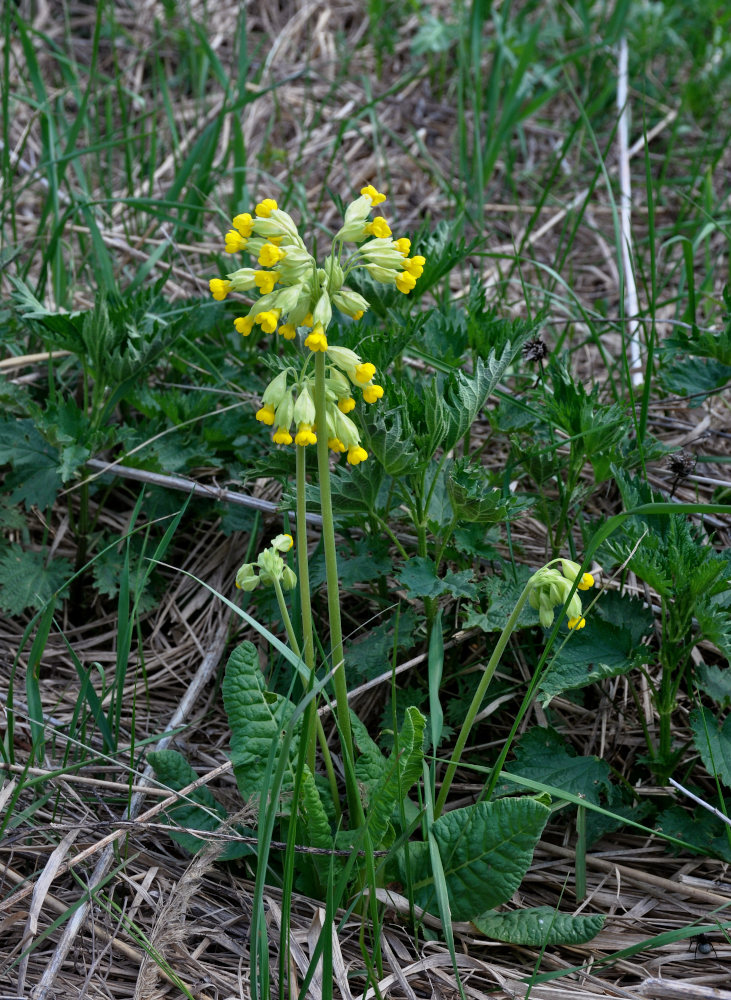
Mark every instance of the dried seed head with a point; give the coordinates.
(681, 464)
(535, 350)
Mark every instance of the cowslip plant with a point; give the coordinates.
(309, 401)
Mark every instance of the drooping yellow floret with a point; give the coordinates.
(288, 331)
(219, 288)
(265, 208)
(270, 255)
(234, 241)
(364, 372)
(244, 223)
(356, 454)
(244, 325)
(266, 280)
(405, 282)
(266, 414)
(267, 320)
(372, 392)
(577, 623)
(379, 227)
(415, 265)
(317, 341)
(282, 436)
(346, 405)
(403, 245)
(335, 444)
(375, 197)
(305, 435)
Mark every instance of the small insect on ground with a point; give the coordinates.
(701, 944)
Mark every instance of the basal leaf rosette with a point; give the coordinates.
(294, 295)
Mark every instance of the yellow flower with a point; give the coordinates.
(372, 392)
(364, 372)
(415, 265)
(265, 208)
(266, 414)
(234, 241)
(244, 223)
(244, 325)
(270, 255)
(335, 444)
(359, 315)
(305, 435)
(405, 282)
(375, 197)
(379, 227)
(266, 280)
(282, 436)
(288, 331)
(346, 405)
(317, 341)
(587, 582)
(267, 320)
(356, 455)
(219, 288)
(577, 623)
(403, 245)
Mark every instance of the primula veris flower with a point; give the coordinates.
(282, 436)
(288, 331)
(356, 455)
(346, 404)
(576, 623)
(246, 578)
(266, 280)
(267, 320)
(378, 227)
(270, 255)
(364, 372)
(244, 325)
(373, 196)
(265, 208)
(282, 543)
(335, 444)
(405, 282)
(266, 414)
(415, 265)
(234, 241)
(316, 341)
(244, 223)
(305, 435)
(219, 288)
(403, 245)
(371, 393)
(572, 569)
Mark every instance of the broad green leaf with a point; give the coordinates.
(27, 582)
(474, 497)
(713, 743)
(466, 394)
(392, 443)
(501, 594)
(400, 773)
(539, 926)
(704, 831)
(419, 577)
(203, 813)
(257, 718)
(34, 478)
(715, 682)
(486, 850)
(543, 755)
(600, 650)
(371, 763)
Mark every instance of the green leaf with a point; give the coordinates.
(713, 743)
(34, 478)
(466, 394)
(419, 577)
(539, 926)
(391, 441)
(704, 831)
(715, 682)
(485, 850)
(399, 774)
(27, 582)
(501, 595)
(257, 718)
(475, 499)
(543, 755)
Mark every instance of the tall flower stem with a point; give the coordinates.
(333, 596)
(303, 576)
(478, 698)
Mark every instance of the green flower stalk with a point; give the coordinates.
(309, 401)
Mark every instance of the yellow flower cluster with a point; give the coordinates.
(295, 293)
(551, 588)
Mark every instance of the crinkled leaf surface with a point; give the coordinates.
(713, 743)
(27, 582)
(486, 850)
(400, 773)
(465, 394)
(543, 755)
(715, 682)
(34, 478)
(501, 595)
(539, 926)
(258, 718)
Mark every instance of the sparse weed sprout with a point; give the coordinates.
(297, 296)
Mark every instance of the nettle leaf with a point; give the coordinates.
(355, 488)
(370, 651)
(27, 582)
(476, 500)
(391, 441)
(598, 651)
(501, 595)
(257, 718)
(543, 755)
(715, 682)
(418, 576)
(486, 850)
(713, 743)
(715, 625)
(466, 394)
(701, 829)
(539, 926)
(34, 477)
(199, 811)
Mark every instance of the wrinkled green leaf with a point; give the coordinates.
(713, 743)
(543, 755)
(539, 926)
(27, 582)
(715, 682)
(34, 477)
